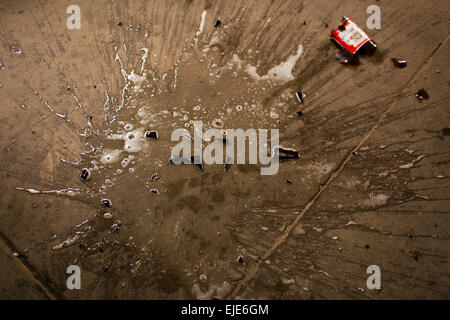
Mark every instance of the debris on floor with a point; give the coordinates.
(399, 63)
(155, 191)
(422, 94)
(155, 176)
(85, 174)
(300, 96)
(286, 153)
(351, 40)
(151, 134)
(106, 202)
(116, 226)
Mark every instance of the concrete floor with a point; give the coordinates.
(371, 186)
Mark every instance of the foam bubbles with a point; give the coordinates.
(110, 156)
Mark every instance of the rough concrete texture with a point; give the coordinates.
(371, 186)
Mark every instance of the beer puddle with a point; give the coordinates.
(174, 219)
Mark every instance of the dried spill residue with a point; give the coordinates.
(376, 200)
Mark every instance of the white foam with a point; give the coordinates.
(202, 24)
(137, 79)
(66, 243)
(134, 140)
(126, 161)
(214, 41)
(110, 156)
(32, 191)
(128, 126)
(281, 73)
(144, 58)
(65, 191)
(376, 200)
(235, 60)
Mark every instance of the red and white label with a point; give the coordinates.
(352, 37)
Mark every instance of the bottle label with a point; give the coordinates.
(351, 38)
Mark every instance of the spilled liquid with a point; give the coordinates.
(175, 228)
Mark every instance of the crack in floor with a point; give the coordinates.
(253, 270)
(29, 271)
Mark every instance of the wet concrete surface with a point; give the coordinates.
(370, 188)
